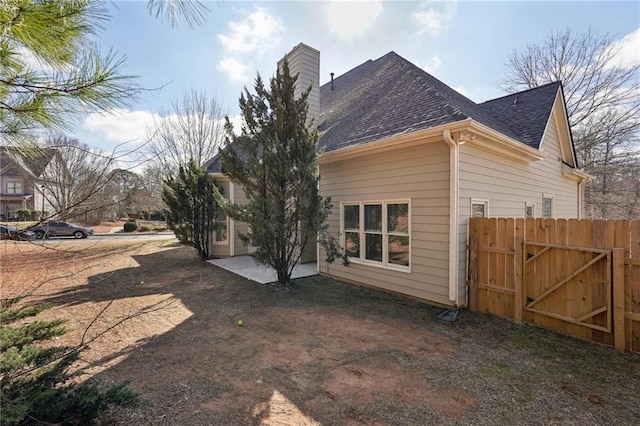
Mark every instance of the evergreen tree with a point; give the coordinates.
(35, 380)
(51, 68)
(274, 160)
(191, 207)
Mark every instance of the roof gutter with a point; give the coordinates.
(405, 139)
(576, 173)
(454, 214)
(501, 144)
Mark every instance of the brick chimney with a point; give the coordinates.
(305, 61)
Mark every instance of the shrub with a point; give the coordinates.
(130, 226)
(37, 385)
(157, 215)
(24, 214)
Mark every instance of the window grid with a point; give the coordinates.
(14, 187)
(529, 210)
(479, 208)
(547, 206)
(376, 238)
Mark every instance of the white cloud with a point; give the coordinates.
(432, 16)
(433, 65)
(237, 122)
(120, 126)
(253, 34)
(347, 20)
(235, 69)
(462, 90)
(31, 61)
(628, 50)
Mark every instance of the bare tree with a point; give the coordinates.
(74, 179)
(191, 129)
(603, 103)
(151, 197)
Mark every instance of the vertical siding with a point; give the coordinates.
(420, 174)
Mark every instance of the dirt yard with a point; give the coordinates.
(321, 352)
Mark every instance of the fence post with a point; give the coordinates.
(473, 273)
(518, 265)
(617, 276)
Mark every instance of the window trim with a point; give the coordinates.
(550, 198)
(533, 209)
(17, 188)
(226, 222)
(385, 234)
(482, 201)
(215, 233)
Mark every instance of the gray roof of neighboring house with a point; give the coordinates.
(390, 96)
(31, 160)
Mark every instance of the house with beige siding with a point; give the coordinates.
(407, 161)
(21, 177)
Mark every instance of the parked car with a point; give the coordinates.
(61, 229)
(13, 233)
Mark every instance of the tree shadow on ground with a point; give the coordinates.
(323, 351)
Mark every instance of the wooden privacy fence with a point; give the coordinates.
(578, 277)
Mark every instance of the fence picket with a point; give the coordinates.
(633, 299)
(587, 272)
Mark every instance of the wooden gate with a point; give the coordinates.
(568, 289)
(578, 277)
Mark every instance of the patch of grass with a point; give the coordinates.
(500, 369)
(148, 228)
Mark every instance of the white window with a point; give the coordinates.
(222, 233)
(377, 233)
(479, 208)
(547, 206)
(14, 188)
(529, 210)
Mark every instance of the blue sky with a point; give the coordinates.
(463, 43)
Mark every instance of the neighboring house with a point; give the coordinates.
(407, 161)
(20, 178)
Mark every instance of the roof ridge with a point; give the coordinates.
(468, 108)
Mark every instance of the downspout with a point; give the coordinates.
(454, 215)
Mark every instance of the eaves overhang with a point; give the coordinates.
(577, 174)
(497, 142)
(407, 138)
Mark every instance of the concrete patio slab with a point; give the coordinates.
(246, 267)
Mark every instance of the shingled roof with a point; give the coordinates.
(389, 96)
(17, 161)
(526, 113)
